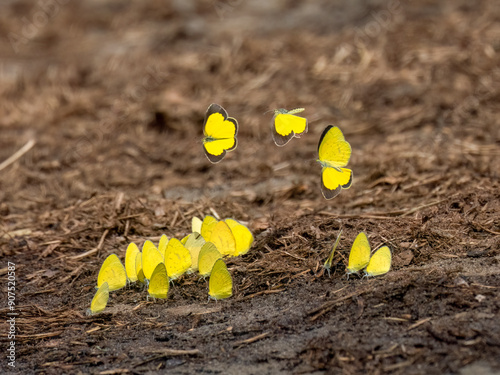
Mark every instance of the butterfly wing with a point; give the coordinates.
(130, 257)
(220, 285)
(138, 268)
(151, 257)
(242, 235)
(162, 245)
(177, 259)
(207, 226)
(380, 262)
(100, 299)
(158, 285)
(223, 239)
(207, 258)
(196, 224)
(194, 243)
(360, 254)
(333, 149)
(112, 272)
(220, 133)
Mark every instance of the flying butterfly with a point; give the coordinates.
(100, 299)
(359, 255)
(219, 132)
(333, 154)
(207, 258)
(328, 263)
(158, 285)
(380, 262)
(112, 272)
(220, 285)
(285, 125)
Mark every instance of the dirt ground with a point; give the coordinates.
(104, 100)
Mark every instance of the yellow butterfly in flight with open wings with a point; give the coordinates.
(333, 155)
(285, 125)
(219, 132)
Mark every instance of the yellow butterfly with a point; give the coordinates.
(151, 257)
(112, 272)
(194, 243)
(219, 132)
(196, 224)
(359, 255)
(285, 125)
(100, 299)
(177, 259)
(207, 226)
(242, 235)
(162, 245)
(138, 267)
(380, 262)
(208, 255)
(130, 259)
(328, 262)
(158, 285)
(223, 239)
(333, 155)
(220, 285)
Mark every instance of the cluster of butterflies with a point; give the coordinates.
(360, 257)
(334, 151)
(203, 250)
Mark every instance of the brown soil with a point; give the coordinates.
(113, 96)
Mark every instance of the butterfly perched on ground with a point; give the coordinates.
(333, 155)
(151, 257)
(377, 264)
(130, 262)
(220, 285)
(328, 263)
(207, 258)
(158, 285)
(360, 254)
(219, 132)
(177, 259)
(100, 299)
(285, 125)
(380, 262)
(113, 273)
